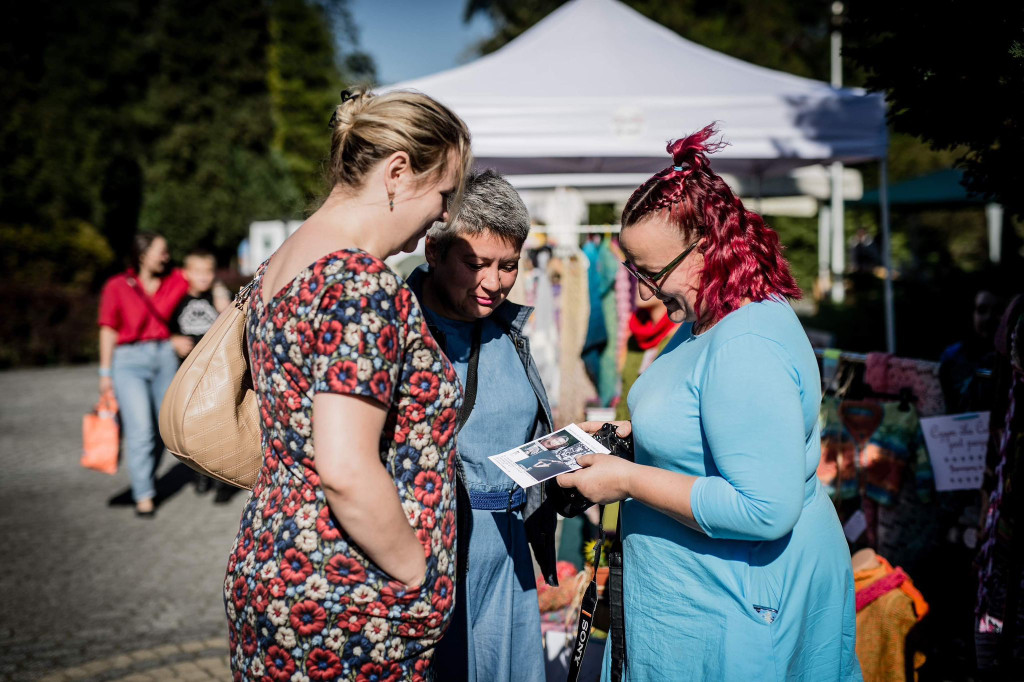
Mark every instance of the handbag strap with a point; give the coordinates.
(107, 404)
(134, 284)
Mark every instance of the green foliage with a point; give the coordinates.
(207, 121)
(72, 253)
(800, 238)
(303, 79)
(49, 314)
(602, 214)
(190, 118)
(951, 72)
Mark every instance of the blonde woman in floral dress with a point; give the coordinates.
(344, 563)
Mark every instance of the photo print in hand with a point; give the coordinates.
(547, 456)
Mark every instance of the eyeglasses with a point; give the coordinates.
(651, 281)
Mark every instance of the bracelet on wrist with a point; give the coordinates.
(105, 372)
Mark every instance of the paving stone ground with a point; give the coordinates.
(88, 591)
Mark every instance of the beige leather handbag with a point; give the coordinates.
(209, 417)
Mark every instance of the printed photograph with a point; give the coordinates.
(547, 456)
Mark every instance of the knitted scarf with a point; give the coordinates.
(649, 334)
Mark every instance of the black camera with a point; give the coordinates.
(572, 502)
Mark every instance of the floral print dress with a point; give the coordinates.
(303, 601)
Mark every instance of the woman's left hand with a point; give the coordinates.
(603, 478)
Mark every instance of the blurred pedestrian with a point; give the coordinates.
(472, 264)
(734, 562)
(205, 300)
(344, 564)
(962, 388)
(195, 314)
(137, 360)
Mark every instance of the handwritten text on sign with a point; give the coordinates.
(956, 445)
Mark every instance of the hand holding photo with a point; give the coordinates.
(547, 456)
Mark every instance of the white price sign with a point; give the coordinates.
(956, 445)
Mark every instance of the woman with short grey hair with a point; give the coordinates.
(472, 263)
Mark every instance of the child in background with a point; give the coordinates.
(205, 300)
(199, 309)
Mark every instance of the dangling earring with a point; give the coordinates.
(391, 201)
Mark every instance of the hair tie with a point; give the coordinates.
(678, 169)
(346, 95)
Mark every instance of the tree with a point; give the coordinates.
(305, 77)
(71, 74)
(953, 73)
(208, 167)
(184, 117)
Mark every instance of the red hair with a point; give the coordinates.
(742, 256)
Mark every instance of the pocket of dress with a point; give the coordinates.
(763, 594)
(390, 581)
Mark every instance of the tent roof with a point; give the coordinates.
(598, 87)
(941, 187)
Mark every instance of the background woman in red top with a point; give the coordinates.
(137, 361)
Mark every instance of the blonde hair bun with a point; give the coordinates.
(367, 128)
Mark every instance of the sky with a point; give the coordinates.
(412, 38)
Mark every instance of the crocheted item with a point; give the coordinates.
(575, 389)
(886, 373)
(881, 586)
(888, 606)
(876, 371)
(625, 304)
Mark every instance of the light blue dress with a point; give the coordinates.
(495, 632)
(766, 591)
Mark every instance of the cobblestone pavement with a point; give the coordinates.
(88, 591)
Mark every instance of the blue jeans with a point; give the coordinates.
(142, 372)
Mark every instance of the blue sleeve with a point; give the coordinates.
(752, 417)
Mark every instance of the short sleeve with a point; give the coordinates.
(751, 412)
(174, 323)
(360, 334)
(110, 306)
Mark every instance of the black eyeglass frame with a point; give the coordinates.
(651, 281)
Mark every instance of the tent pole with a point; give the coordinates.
(838, 235)
(824, 249)
(994, 217)
(883, 204)
(838, 229)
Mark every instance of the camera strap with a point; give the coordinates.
(469, 396)
(614, 587)
(463, 502)
(587, 609)
(616, 606)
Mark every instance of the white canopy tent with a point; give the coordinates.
(597, 89)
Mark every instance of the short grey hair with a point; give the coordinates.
(489, 204)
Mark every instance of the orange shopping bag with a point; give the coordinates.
(101, 436)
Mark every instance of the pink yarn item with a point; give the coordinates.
(886, 373)
(876, 371)
(880, 587)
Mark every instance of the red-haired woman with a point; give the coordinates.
(735, 563)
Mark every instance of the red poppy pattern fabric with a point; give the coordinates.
(304, 602)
